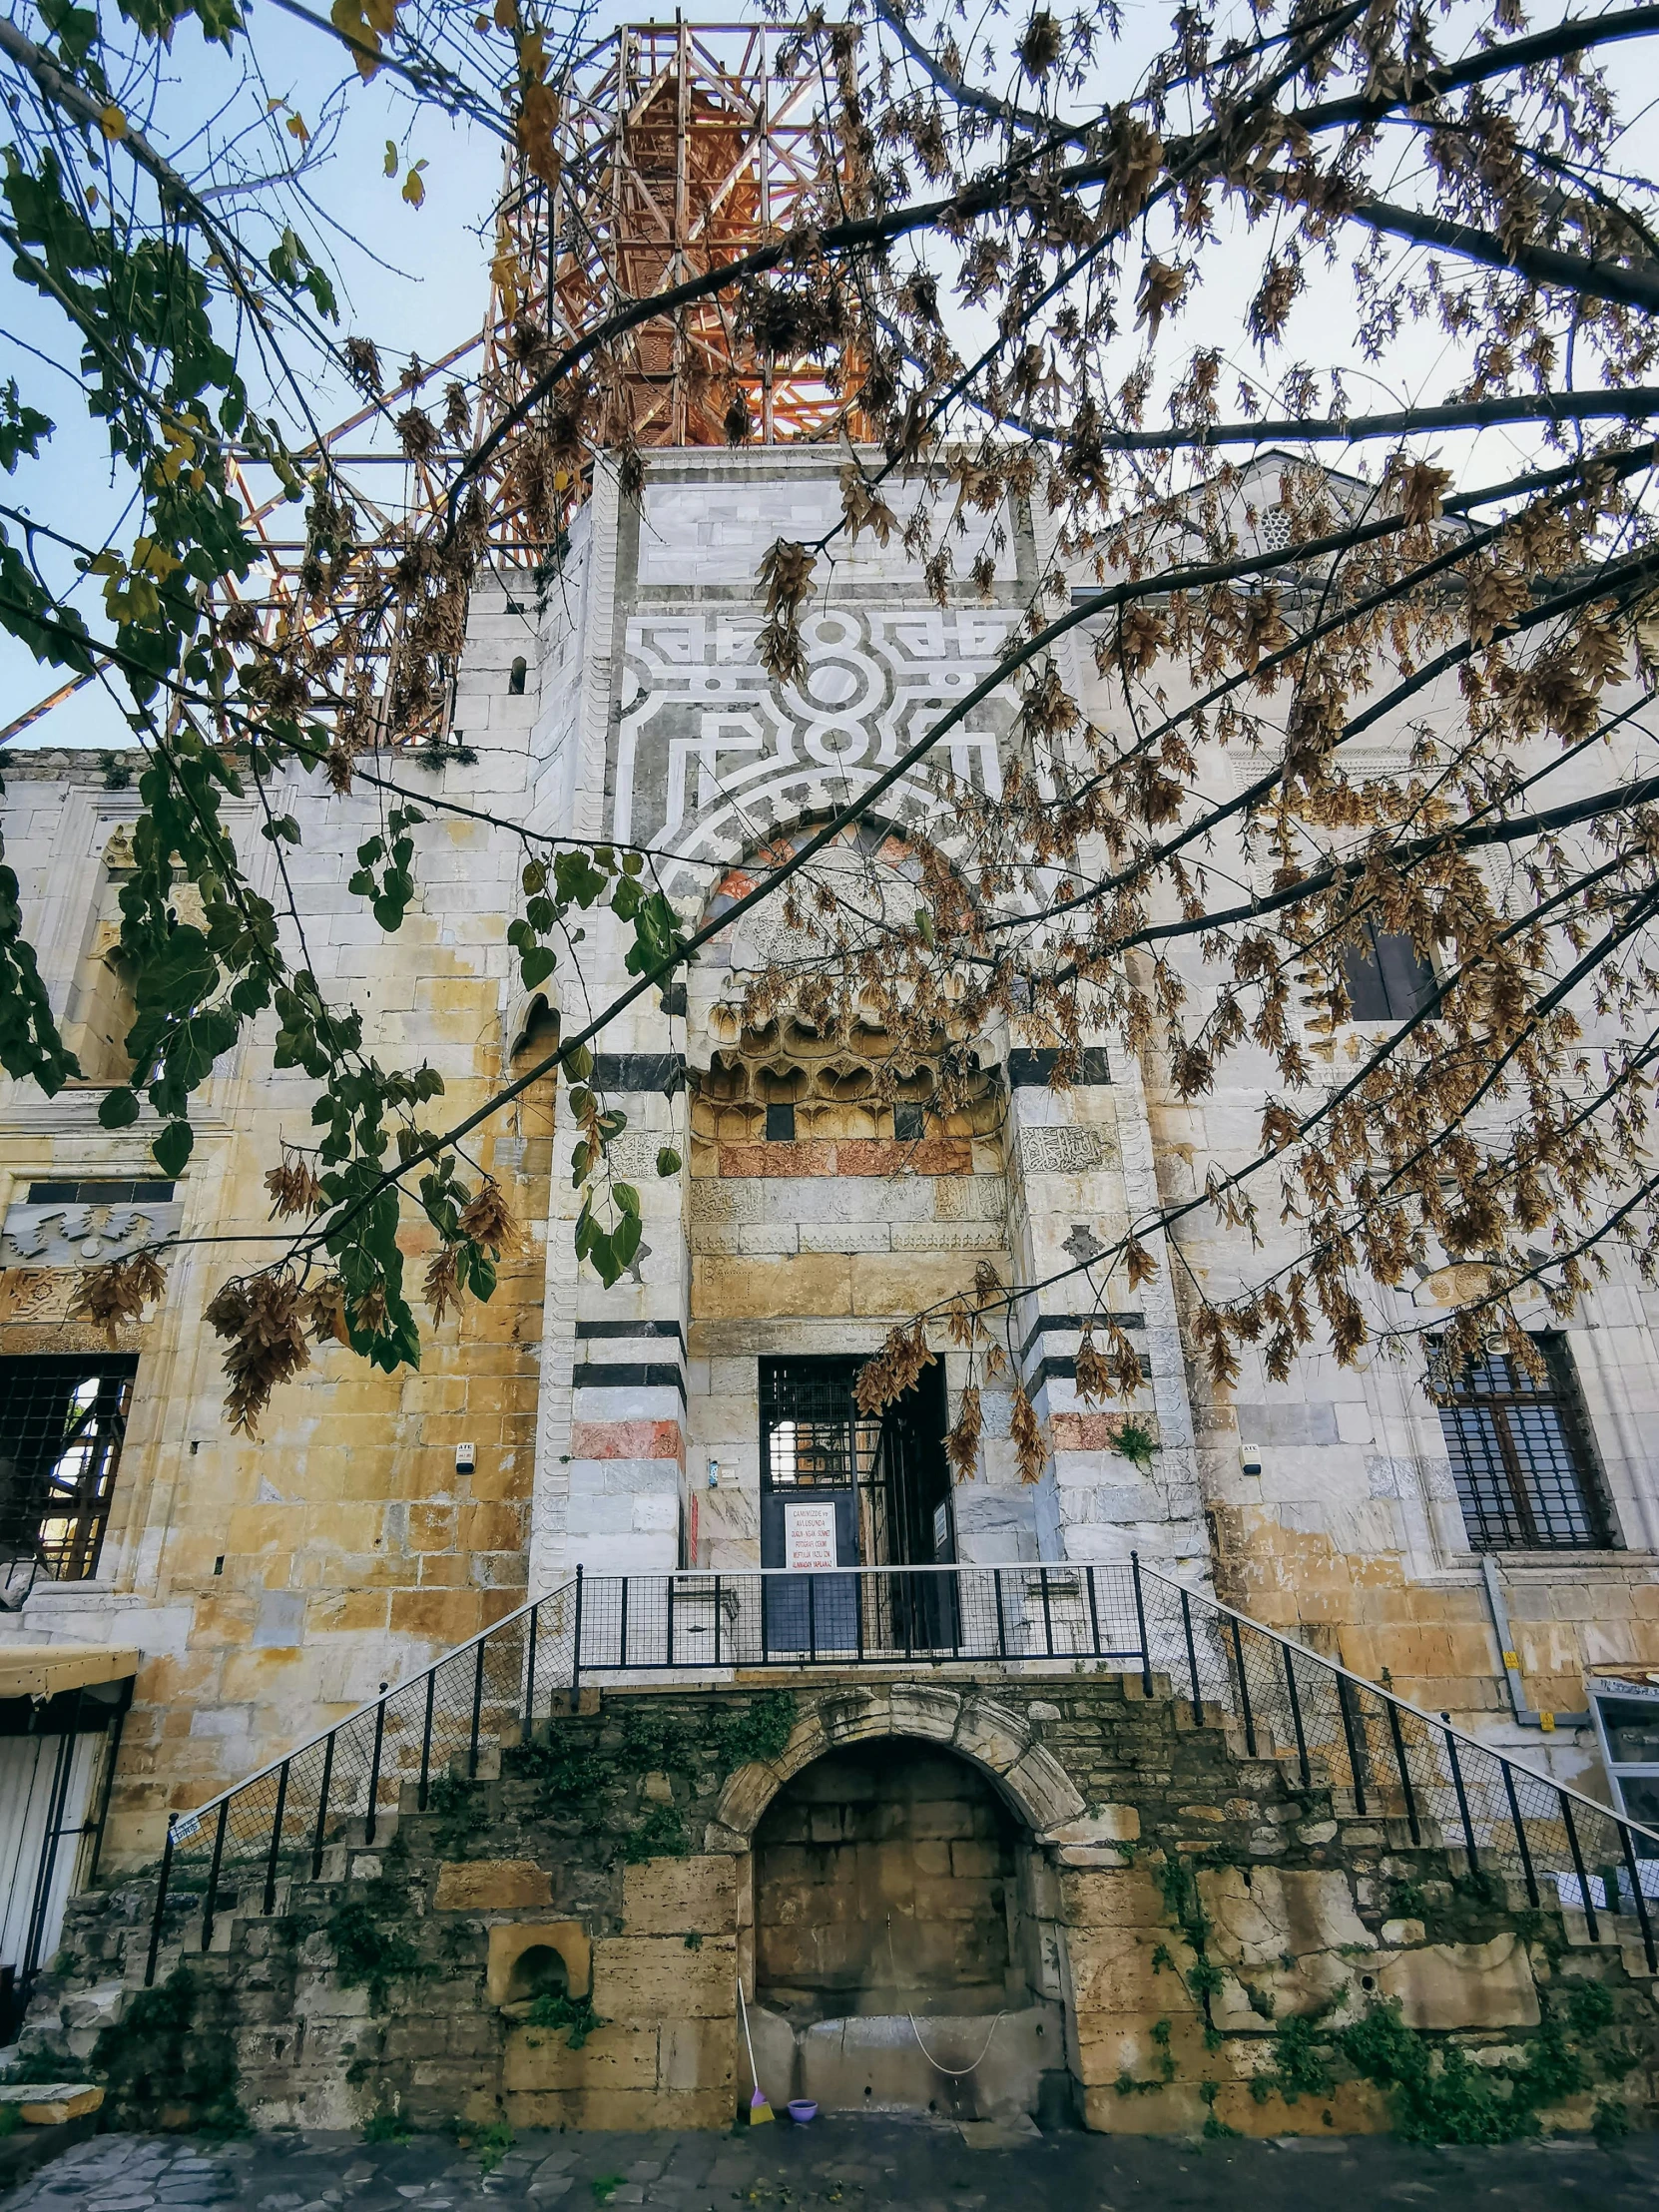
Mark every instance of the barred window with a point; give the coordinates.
(813, 1436)
(1387, 978)
(62, 1421)
(1521, 1456)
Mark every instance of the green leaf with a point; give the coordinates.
(669, 1161)
(577, 881)
(21, 428)
(181, 976)
(537, 966)
(171, 1149)
(323, 293)
(117, 1109)
(625, 1240)
(627, 1198)
(627, 899)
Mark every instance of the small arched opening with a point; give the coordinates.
(538, 1973)
(898, 1952)
(538, 1029)
(516, 676)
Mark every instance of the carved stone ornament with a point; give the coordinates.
(1062, 1151)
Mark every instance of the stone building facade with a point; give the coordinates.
(262, 1589)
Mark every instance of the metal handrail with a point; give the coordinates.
(389, 1690)
(1437, 1721)
(1067, 1632)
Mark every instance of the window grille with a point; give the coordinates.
(813, 1436)
(1273, 529)
(62, 1421)
(1387, 978)
(100, 1194)
(1521, 1456)
(781, 1124)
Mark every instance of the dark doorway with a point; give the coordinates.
(908, 1494)
(840, 1489)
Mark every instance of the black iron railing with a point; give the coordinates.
(1524, 1836)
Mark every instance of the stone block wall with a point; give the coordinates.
(1187, 1909)
(884, 1882)
(272, 1582)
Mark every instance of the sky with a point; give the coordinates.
(415, 278)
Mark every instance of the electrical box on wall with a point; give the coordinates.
(1250, 1459)
(465, 1458)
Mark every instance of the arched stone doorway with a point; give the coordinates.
(902, 1948)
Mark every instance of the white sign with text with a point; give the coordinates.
(809, 1537)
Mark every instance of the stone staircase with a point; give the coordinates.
(557, 1937)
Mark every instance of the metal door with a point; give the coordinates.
(814, 1447)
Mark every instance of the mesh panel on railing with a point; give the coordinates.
(1515, 1835)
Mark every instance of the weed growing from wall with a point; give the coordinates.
(1203, 1980)
(368, 1953)
(575, 2015)
(488, 2143)
(577, 1765)
(1127, 2085)
(759, 1731)
(1215, 2128)
(1437, 2094)
(161, 2059)
(459, 1806)
(660, 1835)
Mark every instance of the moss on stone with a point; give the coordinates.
(370, 1951)
(163, 2064)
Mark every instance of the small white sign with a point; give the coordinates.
(808, 1538)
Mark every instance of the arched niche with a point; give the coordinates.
(931, 1809)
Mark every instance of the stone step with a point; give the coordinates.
(51, 2104)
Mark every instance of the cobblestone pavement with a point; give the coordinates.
(862, 2165)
